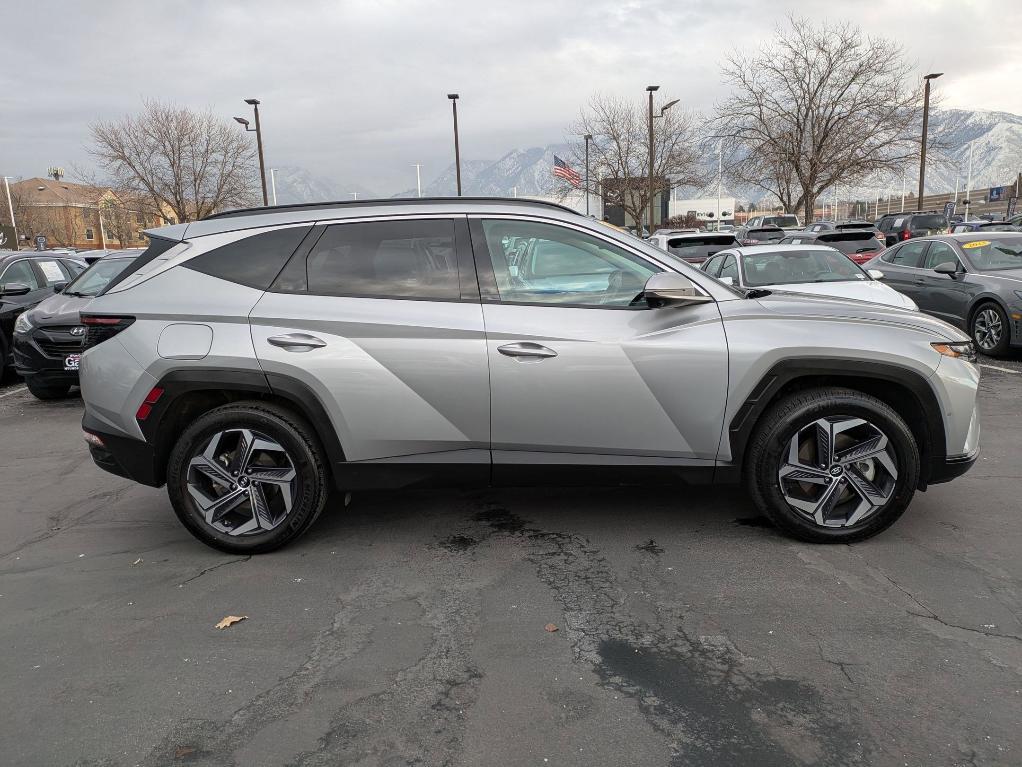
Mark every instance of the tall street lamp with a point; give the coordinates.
(457, 150)
(418, 179)
(922, 150)
(651, 89)
(10, 209)
(588, 137)
(259, 142)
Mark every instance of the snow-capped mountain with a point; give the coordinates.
(296, 185)
(996, 151)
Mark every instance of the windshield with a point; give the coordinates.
(781, 220)
(95, 278)
(799, 266)
(929, 222)
(995, 255)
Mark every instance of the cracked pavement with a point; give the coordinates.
(408, 629)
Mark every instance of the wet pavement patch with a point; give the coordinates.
(758, 521)
(650, 547)
(459, 542)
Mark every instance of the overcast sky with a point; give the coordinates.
(355, 91)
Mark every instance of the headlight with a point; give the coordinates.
(22, 325)
(963, 349)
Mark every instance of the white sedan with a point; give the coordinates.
(814, 269)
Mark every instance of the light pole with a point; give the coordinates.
(273, 184)
(922, 148)
(259, 142)
(588, 137)
(418, 179)
(904, 176)
(968, 184)
(457, 150)
(10, 209)
(651, 89)
(720, 172)
(354, 194)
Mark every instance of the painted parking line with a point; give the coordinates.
(16, 391)
(1003, 370)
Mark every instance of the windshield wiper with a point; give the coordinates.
(757, 292)
(75, 293)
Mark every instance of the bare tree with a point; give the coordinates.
(171, 158)
(817, 105)
(619, 152)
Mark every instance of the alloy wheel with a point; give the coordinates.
(838, 471)
(243, 482)
(988, 328)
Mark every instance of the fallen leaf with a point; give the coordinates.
(550, 627)
(182, 751)
(230, 620)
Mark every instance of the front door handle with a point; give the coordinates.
(526, 349)
(297, 342)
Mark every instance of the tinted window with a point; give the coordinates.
(558, 265)
(887, 223)
(386, 259)
(781, 220)
(939, 253)
(20, 271)
(905, 255)
(254, 261)
(850, 243)
(929, 222)
(157, 247)
(765, 235)
(701, 246)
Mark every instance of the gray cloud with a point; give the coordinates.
(356, 90)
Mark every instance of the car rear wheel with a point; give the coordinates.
(989, 330)
(51, 391)
(247, 478)
(832, 465)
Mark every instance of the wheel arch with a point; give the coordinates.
(190, 392)
(978, 302)
(905, 390)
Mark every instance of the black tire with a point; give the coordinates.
(292, 433)
(768, 449)
(42, 391)
(980, 317)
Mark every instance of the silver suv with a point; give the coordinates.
(256, 360)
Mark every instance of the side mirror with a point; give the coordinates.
(14, 289)
(58, 287)
(950, 268)
(672, 289)
(876, 274)
(727, 280)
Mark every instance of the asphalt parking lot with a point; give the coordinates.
(412, 629)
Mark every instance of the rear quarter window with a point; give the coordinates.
(253, 261)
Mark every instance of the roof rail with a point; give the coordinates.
(384, 202)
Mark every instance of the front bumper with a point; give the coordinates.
(120, 455)
(952, 467)
(42, 355)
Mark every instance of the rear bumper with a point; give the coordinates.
(120, 455)
(950, 468)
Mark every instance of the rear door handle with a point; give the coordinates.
(526, 349)
(297, 342)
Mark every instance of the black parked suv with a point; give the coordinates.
(48, 339)
(898, 227)
(26, 278)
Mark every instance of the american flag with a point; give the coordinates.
(563, 170)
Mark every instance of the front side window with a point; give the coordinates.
(386, 259)
(556, 265)
(729, 268)
(939, 253)
(712, 267)
(20, 271)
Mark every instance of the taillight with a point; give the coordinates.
(906, 234)
(99, 328)
(147, 404)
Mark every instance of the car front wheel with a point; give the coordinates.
(832, 465)
(989, 330)
(247, 478)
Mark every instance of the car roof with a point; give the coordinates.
(752, 250)
(250, 218)
(699, 235)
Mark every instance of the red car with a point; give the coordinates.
(860, 245)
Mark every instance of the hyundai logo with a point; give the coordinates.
(78, 331)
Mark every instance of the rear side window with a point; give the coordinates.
(157, 247)
(908, 254)
(386, 259)
(253, 261)
(929, 222)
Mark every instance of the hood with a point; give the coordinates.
(860, 290)
(58, 309)
(1015, 275)
(803, 305)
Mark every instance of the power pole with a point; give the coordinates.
(651, 89)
